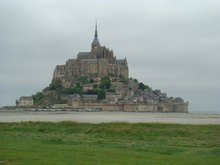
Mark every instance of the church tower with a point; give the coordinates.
(95, 42)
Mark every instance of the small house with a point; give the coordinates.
(26, 101)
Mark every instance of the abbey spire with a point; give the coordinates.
(96, 32)
(95, 42)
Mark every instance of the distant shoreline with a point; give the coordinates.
(108, 117)
(25, 109)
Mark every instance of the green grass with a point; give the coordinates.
(65, 143)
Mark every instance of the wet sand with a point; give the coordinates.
(106, 117)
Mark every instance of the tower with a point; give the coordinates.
(95, 42)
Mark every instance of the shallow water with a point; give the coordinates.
(104, 117)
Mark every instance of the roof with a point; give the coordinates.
(92, 61)
(95, 42)
(26, 98)
(83, 55)
(121, 61)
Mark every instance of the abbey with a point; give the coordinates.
(97, 63)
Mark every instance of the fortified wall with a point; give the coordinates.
(126, 107)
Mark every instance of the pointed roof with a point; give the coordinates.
(96, 32)
(95, 42)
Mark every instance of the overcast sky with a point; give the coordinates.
(172, 45)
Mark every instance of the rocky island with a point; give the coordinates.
(98, 80)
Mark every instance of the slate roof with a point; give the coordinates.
(91, 61)
(26, 98)
(95, 42)
(121, 61)
(83, 55)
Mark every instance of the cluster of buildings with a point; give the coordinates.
(127, 93)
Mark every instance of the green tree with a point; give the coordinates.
(142, 86)
(55, 85)
(135, 80)
(101, 94)
(95, 86)
(38, 98)
(83, 79)
(78, 89)
(105, 83)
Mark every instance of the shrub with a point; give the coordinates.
(101, 94)
(105, 83)
(55, 85)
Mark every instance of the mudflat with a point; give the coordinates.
(107, 117)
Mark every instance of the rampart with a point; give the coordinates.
(165, 107)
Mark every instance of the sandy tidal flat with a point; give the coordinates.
(105, 117)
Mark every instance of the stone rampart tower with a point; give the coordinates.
(99, 62)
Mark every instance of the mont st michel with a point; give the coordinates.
(97, 80)
(140, 86)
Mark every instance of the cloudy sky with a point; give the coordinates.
(171, 45)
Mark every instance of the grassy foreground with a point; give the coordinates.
(65, 143)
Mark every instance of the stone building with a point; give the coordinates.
(99, 62)
(25, 101)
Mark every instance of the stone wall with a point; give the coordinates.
(169, 107)
(140, 107)
(175, 107)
